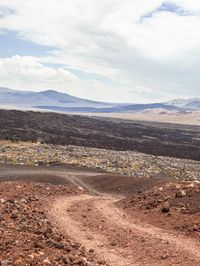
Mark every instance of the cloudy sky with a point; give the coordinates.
(108, 50)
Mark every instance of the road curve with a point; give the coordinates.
(93, 220)
(97, 224)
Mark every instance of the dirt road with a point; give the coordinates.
(93, 220)
(97, 224)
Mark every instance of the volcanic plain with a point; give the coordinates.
(92, 191)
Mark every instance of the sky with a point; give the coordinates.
(127, 51)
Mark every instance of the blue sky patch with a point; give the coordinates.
(167, 7)
(12, 45)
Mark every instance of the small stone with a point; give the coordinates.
(56, 244)
(23, 200)
(180, 193)
(14, 215)
(196, 228)
(166, 207)
(38, 244)
(113, 244)
(2, 201)
(164, 257)
(66, 260)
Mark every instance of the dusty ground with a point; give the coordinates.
(69, 221)
(162, 116)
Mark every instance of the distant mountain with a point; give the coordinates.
(192, 104)
(45, 98)
(62, 102)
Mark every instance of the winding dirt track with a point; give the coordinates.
(97, 224)
(93, 220)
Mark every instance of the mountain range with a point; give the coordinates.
(63, 102)
(45, 98)
(192, 104)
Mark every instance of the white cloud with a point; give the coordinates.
(28, 73)
(155, 59)
(30, 68)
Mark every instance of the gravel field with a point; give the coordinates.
(118, 162)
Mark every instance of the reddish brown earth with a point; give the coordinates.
(71, 221)
(172, 206)
(27, 235)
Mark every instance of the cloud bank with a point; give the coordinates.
(128, 51)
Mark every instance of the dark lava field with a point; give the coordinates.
(182, 141)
